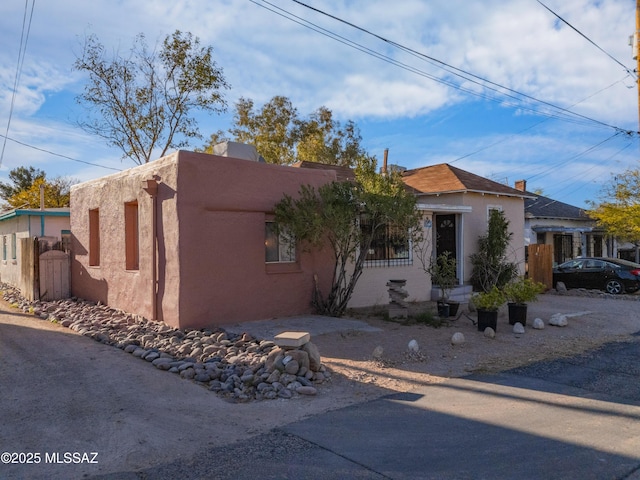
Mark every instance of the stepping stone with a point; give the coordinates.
(292, 339)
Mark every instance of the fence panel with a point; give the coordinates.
(54, 275)
(541, 264)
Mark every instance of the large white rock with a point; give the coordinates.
(518, 328)
(457, 339)
(558, 320)
(538, 324)
(489, 332)
(413, 346)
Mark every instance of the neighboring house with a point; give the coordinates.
(189, 240)
(455, 206)
(569, 229)
(17, 226)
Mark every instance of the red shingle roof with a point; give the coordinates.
(444, 178)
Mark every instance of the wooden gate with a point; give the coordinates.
(54, 275)
(541, 264)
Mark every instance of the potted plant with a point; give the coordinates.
(518, 292)
(487, 304)
(443, 271)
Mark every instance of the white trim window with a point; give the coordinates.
(280, 247)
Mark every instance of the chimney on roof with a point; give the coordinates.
(521, 185)
(383, 170)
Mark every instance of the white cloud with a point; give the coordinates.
(517, 44)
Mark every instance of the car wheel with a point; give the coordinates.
(614, 287)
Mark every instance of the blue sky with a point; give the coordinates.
(423, 114)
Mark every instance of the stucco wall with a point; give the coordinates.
(372, 289)
(110, 282)
(223, 206)
(476, 223)
(211, 241)
(473, 224)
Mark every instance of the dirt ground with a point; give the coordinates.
(100, 399)
(350, 355)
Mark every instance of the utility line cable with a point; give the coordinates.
(577, 155)
(630, 72)
(451, 67)
(570, 117)
(22, 50)
(59, 155)
(531, 126)
(565, 193)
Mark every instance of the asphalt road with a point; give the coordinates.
(575, 418)
(66, 397)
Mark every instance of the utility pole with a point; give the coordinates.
(636, 53)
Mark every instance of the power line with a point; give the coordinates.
(60, 155)
(380, 56)
(454, 70)
(630, 72)
(529, 127)
(590, 149)
(565, 193)
(24, 37)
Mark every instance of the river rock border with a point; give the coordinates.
(238, 367)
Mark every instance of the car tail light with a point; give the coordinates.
(636, 272)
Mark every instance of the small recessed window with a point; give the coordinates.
(94, 237)
(132, 250)
(279, 245)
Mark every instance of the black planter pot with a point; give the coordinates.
(487, 318)
(453, 308)
(517, 313)
(443, 309)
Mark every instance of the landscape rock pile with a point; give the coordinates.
(239, 367)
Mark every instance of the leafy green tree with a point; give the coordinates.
(619, 209)
(24, 189)
(323, 140)
(142, 103)
(270, 130)
(22, 178)
(282, 137)
(331, 215)
(56, 194)
(490, 265)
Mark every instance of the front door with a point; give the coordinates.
(446, 235)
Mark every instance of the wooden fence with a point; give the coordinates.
(45, 270)
(541, 264)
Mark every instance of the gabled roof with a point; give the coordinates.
(342, 173)
(443, 178)
(544, 207)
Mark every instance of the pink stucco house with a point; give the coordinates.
(217, 259)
